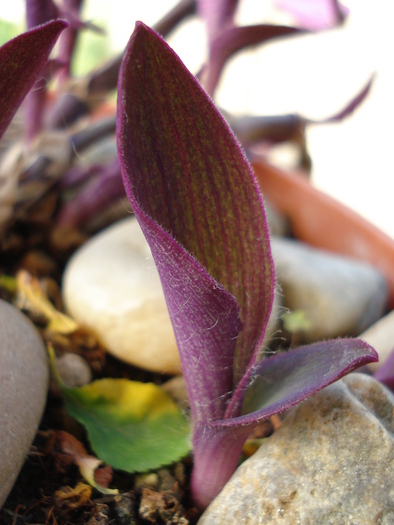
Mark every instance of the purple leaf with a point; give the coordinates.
(233, 40)
(385, 374)
(279, 128)
(351, 106)
(21, 60)
(315, 14)
(204, 196)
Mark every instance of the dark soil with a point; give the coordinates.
(50, 489)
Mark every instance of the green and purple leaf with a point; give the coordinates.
(21, 60)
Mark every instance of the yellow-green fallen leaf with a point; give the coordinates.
(31, 297)
(76, 497)
(131, 426)
(9, 283)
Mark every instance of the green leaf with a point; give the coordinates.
(131, 426)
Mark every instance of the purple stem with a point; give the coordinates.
(100, 193)
(34, 110)
(68, 39)
(106, 78)
(216, 454)
(38, 12)
(79, 175)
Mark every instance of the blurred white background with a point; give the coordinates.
(313, 75)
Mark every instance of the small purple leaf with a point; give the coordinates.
(283, 380)
(315, 14)
(21, 60)
(204, 196)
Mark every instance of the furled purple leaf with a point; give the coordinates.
(315, 14)
(21, 60)
(385, 374)
(187, 179)
(283, 380)
(233, 40)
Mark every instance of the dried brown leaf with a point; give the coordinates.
(92, 469)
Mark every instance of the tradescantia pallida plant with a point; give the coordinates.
(196, 199)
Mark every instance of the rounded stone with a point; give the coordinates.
(111, 285)
(338, 295)
(331, 462)
(73, 370)
(24, 376)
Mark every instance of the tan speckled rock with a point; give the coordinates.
(111, 285)
(23, 387)
(331, 462)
